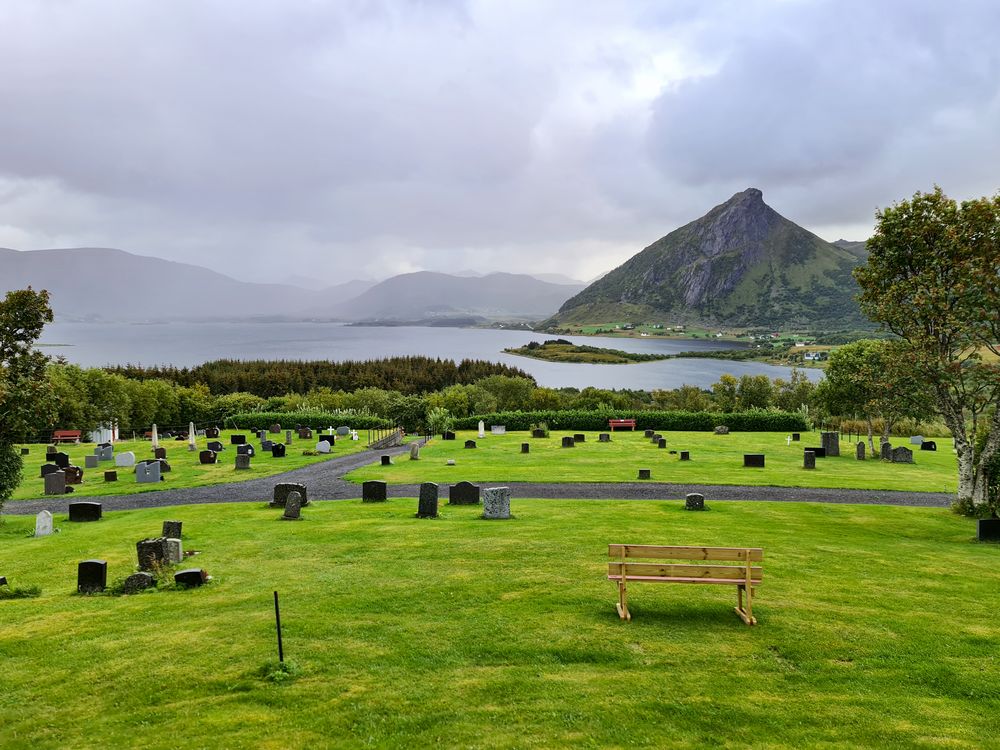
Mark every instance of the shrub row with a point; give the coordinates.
(701, 421)
(314, 419)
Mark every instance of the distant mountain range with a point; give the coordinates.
(742, 265)
(113, 285)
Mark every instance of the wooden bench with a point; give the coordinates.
(739, 571)
(612, 423)
(65, 436)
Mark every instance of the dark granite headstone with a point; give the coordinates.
(151, 553)
(284, 489)
(215, 446)
(278, 450)
(648, 433)
(212, 432)
(928, 445)
(242, 461)
(190, 577)
(373, 491)
(902, 455)
(245, 449)
(427, 506)
(661, 443)
(49, 469)
(796, 437)
(237, 439)
(988, 530)
(645, 474)
(568, 442)
(525, 447)
(159, 453)
(138, 582)
(753, 460)
(448, 435)
(463, 493)
(885, 451)
(470, 443)
(74, 474)
(818, 452)
(579, 438)
(859, 451)
(831, 443)
(808, 459)
(657, 437)
(60, 459)
(305, 434)
(387, 460)
(685, 455)
(266, 445)
(604, 437)
(293, 507)
(288, 437)
(208, 457)
(694, 501)
(25, 451)
(91, 576)
(55, 483)
(538, 433)
(172, 529)
(111, 476)
(275, 429)
(81, 512)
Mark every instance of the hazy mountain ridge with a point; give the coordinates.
(741, 264)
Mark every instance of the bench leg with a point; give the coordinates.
(745, 613)
(622, 605)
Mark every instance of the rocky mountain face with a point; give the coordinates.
(742, 264)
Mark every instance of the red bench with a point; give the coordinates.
(65, 436)
(630, 423)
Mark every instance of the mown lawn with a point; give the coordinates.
(185, 469)
(877, 627)
(715, 459)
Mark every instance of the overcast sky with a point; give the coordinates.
(339, 140)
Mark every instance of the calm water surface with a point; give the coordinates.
(187, 344)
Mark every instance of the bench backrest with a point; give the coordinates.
(66, 433)
(742, 558)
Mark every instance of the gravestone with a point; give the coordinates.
(172, 529)
(25, 451)
(482, 429)
(191, 577)
(74, 474)
(885, 451)
(82, 512)
(525, 447)
(152, 553)
(147, 473)
(450, 462)
(267, 445)
(568, 442)
(215, 446)
(579, 438)
(275, 429)
(831, 443)
(818, 452)
(90, 462)
(721, 430)
(916, 439)
(137, 582)
(237, 439)
(988, 530)
(448, 435)
(60, 459)
(685, 455)
(604, 437)
(293, 507)
(262, 435)
(661, 443)
(343, 430)
(902, 455)
(859, 451)
(43, 523)
(694, 501)
(49, 469)
(160, 453)
(305, 434)
(245, 449)
(427, 505)
(322, 447)
(373, 491)
(470, 443)
(208, 457)
(278, 450)
(657, 437)
(498, 429)
(91, 576)
(753, 460)
(104, 452)
(463, 493)
(288, 437)
(645, 474)
(414, 451)
(125, 460)
(111, 476)
(648, 434)
(55, 483)
(928, 445)
(796, 437)
(538, 433)
(175, 550)
(212, 432)
(284, 489)
(808, 459)
(496, 503)
(386, 460)
(242, 461)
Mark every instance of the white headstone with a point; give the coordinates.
(126, 458)
(322, 447)
(482, 429)
(192, 436)
(498, 429)
(916, 440)
(43, 523)
(156, 437)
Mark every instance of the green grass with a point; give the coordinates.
(877, 627)
(185, 469)
(715, 459)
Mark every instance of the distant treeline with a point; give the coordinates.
(408, 375)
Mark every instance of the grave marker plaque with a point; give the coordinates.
(427, 505)
(568, 442)
(463, 493)
(192, 577)
(753, 460)
(645, 474)
(83, 512)
(694, 501)
(808, 459)
(91, 576)
(373, 491)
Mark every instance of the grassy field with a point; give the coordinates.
(715, 459)
(185, 469)
(877, 627)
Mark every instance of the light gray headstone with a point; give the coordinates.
(414, 451)
(125, 459)
(322, 447)
(288, 437)
(147, 473)
(498, 429)
(175, 551)
(344, 430)
(55, 483)
(916, 440)
(496, 502)
(43, 523)
(90, 462)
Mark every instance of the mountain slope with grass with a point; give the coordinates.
(741, 264)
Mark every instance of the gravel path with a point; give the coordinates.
(325, 482)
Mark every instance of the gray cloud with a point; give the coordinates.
(368, 138)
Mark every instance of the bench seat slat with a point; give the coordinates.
(671, 570)
(660, 579)
(657, 552)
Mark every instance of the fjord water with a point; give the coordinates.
(187, 344)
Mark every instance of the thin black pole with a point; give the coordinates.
(277, 622)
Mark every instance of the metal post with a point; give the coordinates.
(277, 622)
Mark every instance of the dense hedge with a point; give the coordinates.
(701, 421)
(314, 419)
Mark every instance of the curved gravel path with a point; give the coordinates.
(325, 481)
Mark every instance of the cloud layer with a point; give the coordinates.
(362, 139)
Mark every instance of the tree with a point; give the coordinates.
(23, 382)
(933, 279)
(724, 392)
